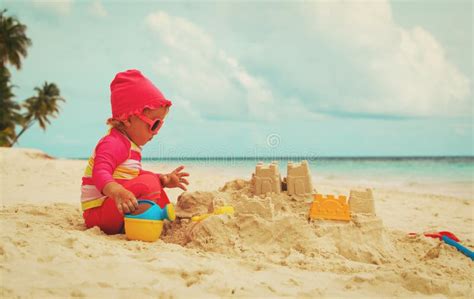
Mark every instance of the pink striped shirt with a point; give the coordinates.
(115, 159)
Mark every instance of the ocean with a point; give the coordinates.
(442, 175)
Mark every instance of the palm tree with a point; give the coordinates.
(13, 45)
(10, 111)
(13, 40)
(40, 107)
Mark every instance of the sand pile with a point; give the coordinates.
(277, 225)
(276, 229)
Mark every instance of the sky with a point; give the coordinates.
(332, 78)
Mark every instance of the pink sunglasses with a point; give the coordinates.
(154, 125)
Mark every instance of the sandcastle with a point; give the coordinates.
(362, 202)
(267, 179)
(298, 181)
(276, 223)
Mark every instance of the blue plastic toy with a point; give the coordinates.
(450, 239)
(459, 247)
(155, 212)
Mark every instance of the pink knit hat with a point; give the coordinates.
(131, 92)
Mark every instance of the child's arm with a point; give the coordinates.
(125, 200)
(109, 153)
(173, 179)
(159, 175)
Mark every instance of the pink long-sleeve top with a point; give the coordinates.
(115, 159)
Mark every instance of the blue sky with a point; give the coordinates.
(374, 78)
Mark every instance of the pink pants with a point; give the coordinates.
(108, 218)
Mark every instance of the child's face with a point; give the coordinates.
(138, 130)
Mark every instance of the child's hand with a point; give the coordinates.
(175, 179)
(124, 199)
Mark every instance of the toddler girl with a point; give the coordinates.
(114, 178)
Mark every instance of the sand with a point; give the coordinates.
(268, 248)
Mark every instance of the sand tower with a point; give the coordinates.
(299, 178)
(362, 201)
(266, 179)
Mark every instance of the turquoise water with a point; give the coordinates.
(447, 169)
(450, 176)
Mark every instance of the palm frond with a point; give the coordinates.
(13, 40)
(43, 105)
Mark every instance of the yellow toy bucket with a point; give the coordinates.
(143, 229)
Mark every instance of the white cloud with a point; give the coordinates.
(97, 9)
(346, 58)
(407, 68)
(206, 77)
(60, 7)
(338, 58)
(186, 109)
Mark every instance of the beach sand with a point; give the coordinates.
(267, 249)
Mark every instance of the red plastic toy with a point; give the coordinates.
(450, 239)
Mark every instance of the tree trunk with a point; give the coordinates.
(21, 132)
